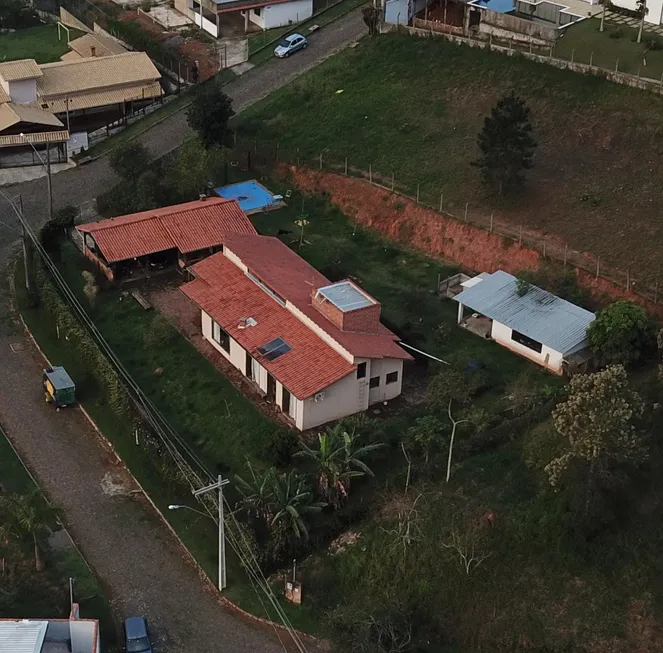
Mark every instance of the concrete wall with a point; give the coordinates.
(397, 12)
(23, 91)
(281, 15)
(517, 25)
(84, 636)
(548, 358)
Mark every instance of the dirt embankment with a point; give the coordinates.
(439, 234)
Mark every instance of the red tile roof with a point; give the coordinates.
(291, 277)
(187, 227)
(225, 293)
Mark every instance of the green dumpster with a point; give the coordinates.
(59, 389)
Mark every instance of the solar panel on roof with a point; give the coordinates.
(274, 348)
(345, 296)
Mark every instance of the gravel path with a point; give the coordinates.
(131, 550)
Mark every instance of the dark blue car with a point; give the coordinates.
(136, 639)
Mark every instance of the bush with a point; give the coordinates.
(622, 333)
(280, 447)
(130, 160)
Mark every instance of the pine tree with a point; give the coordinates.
(506, 144)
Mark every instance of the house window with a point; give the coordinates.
(221, 337)
(392, 377)
(256, 11)
(374, 382)
(361, 370)
(522, 339)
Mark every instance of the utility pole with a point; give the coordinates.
(25, 245)
(222, 534)
(48, 177)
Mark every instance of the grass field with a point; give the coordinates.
(414, 107)
(616, 46)
(38, 43)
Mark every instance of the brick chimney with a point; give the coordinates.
(348, 307)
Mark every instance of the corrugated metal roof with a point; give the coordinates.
(12, 114)
(101, 98)
(14, 71)
(223, 291)
(104, 46)
(85, 75)
(22, 636)
(187, 227)
(14, 140)
(538, 314)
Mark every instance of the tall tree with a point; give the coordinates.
(24, 516)
(339, 459)
(209, 113)
(622, 333)
(130, 160)
(599, 424)
(506, 144)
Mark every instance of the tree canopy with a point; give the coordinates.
(209, 113)
(622, 333)
(506, 144)
(130, 160)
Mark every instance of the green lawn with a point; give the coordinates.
(615, 46)
(49, 595)
(590, 183)
(38, 43)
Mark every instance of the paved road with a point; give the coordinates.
(79, 185)
(133, 553)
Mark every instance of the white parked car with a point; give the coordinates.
(290, 44)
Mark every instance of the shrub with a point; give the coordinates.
(130, 160)
(622, 333)
(280, 447)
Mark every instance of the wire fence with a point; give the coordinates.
(251, 154)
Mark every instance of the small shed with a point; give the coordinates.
(526, 319)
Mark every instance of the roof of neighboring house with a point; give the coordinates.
(4, 96)
(224, 292)
(104, 46)
(22, 636)
(36, 138)
(101, 98)
(187, 227)
(15, 71)
(538, 314)
(294, 279)
(12, 114)
(94, 73)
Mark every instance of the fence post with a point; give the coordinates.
(544, 247)
(298, 157)
(573, 54)
(591, 59)
(656, 292)
(418, 193)
(441, 201)
(370, 173)
(597, 267)
(552, 47)
(617, 66)
(628, 279)
(346, 166)
(320, 160)
(565, 250)
(530, 47)
(466, 205)
(492, 215)
(638, 73)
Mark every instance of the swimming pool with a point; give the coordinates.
(250, 195)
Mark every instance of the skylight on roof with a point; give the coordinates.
(345, 296)
(274, 348)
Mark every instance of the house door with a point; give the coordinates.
(271, 388)
(248, 366)
(285, 402)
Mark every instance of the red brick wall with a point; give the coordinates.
(438, 234)
(362, 320)
(328, 310)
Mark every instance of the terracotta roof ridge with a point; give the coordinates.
(86, 60)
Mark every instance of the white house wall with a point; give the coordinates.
(23, 91)
(340, 399)
(283, 14)
(548, 358)
(381, 367)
